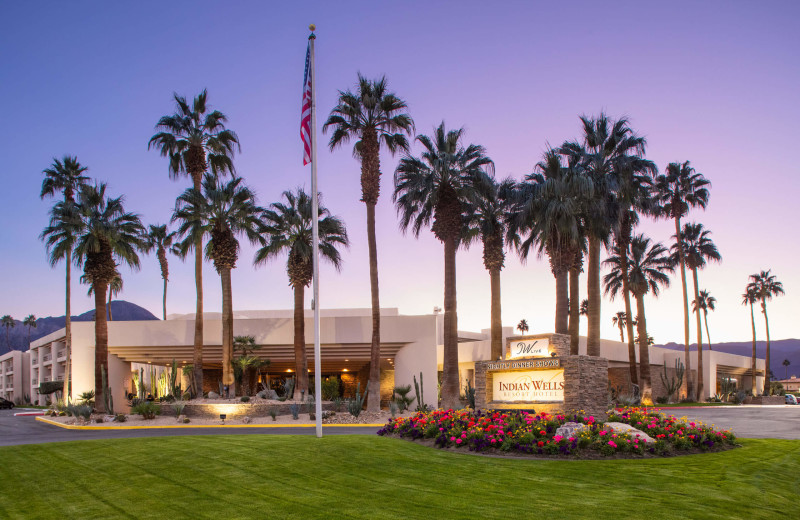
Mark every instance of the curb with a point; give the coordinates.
(176, 426)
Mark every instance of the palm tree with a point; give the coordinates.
(676, 192)
(648, 264)
(786, 364)
(522, 326)
(619, 320)
(549, 213)
(372, 116)
(9, 323)
(436, 188)
(114, 288)
(160, 239)
(489, 222)
(195, 140)
(697, 249)
(109, 235)
(287, 227)
(65, 176)
(221, 210)
(749, 298)
(30, 322)
(706, 303)
(765, 285)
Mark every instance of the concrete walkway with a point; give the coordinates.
(748, 421)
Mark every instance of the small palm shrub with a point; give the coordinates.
(146, 409)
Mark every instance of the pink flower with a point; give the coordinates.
(441, 429)
(571, 439)
(452, 438)
(458, 441)
(603, 432)
(612, 444)
(494, 441)
(557, 438)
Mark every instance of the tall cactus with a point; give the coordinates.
(419, 389)
(108, 399)
(142, 391)
(174, 387)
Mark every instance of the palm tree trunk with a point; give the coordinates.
(593, 291)
(165, 299)
(687, 360)
(100, 344)
(622, 338)
(300, 359)
(766, 361)
(574, 310)
(497, 320)
(562, 295)
(753, 360)
(626, 292)
(644, 353)
(450, 383)
(68, 331)
(374, 383)
(700, 395)
(708, 336)
(197, 358)
(227, 330)
(110, 292)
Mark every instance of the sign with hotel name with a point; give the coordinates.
(528, 348)
(531, 386)
(528, 363)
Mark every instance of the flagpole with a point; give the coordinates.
(315, 233)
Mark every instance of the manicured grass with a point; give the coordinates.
(276, 476)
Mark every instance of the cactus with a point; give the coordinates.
(419, 389)
(672, 384)
(355, 405)
(108, 399)
(288, 388)
(469, 393)
(141, 384)
(174, 386)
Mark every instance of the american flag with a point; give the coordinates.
(305, 117)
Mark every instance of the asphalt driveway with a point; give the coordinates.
(777, 422)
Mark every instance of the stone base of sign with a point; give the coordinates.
(585, 384)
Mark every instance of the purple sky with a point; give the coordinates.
(710, 82)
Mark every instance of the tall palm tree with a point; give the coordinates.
(749, 298)
(223, 211)
(9, 323)
(706, 303)
(619, 320)
(786, 364)
(697, 249)
(114, 288)
(65, 176)
(196, 140)
(371, 116)
(648, 264)
(160, 239)
(30, 322)
(522, 326)
(435, 188)
(549, 213)
(287, 228)
(489, 222)
(676, 191)
(765, 285)
(109, 235)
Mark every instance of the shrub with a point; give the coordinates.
(273, 413)
(245, 399)
(356, 404)
(147, 410)
(337, 403)
(87, 398)
(84, 411)
(120, 417)
(178, 408)
(662, 399)
(401, 397)
(294, 408)
(186, 420)
(330, 388)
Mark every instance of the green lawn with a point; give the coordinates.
(276, 476)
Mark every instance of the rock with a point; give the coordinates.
(213, 395)
(246, 420)
(262, 394)
(622, 428)
(181, 418)
(186, 420)
(571, 429)
(273, 395)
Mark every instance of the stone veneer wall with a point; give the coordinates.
(236, 410)
(585, 382)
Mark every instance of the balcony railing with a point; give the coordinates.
(34, 360)
(60, 378)
(47, 357)
(46, 379)
(62, 354)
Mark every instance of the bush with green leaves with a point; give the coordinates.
(294, 408)
(120, 417)
(401, 397)
(273, 413)
(148, 410)
(356, 404)
(330, 388)
(245, 399)
(178, 407)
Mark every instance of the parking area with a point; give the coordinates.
(758, 422)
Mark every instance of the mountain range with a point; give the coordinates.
(121, 310)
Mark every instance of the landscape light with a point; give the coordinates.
(223, 416)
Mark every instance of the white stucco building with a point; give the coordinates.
(411, 344)
(14, 375)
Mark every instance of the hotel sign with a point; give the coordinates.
(526, 348)
(530, 386)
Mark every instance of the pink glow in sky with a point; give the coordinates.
(715, 83)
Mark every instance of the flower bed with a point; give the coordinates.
(518, 432)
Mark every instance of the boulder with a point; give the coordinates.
(622, 428)
(571, 429)
(213, 395)
(246, 420)
(273, 395)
